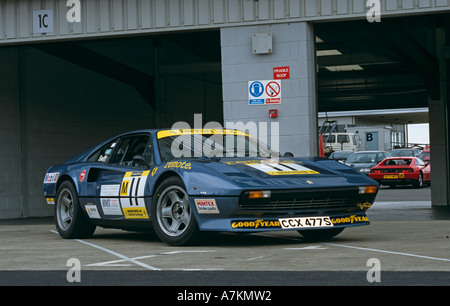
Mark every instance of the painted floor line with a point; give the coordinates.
(119, 261)
(388, 252)
(126, 258)
(367, 249)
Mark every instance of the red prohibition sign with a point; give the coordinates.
(273, 89)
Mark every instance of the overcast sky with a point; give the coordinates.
(418, 133)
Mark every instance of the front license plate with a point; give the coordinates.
(307, 222)
(392, 176)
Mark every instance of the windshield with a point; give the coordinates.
(341, 155)
(425, 156)
(399, 153)
(362, 158)
(176, 144)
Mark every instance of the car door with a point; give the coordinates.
(121, 182)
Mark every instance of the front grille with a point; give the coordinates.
(340, 199)
(300, 204)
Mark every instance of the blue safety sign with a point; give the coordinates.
(256, 89)
(264, 92)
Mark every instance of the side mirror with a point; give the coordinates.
(288, 154)
(139, 159)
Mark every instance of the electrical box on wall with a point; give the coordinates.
(262, 43)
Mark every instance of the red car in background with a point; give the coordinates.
(402, 171)
(425, 155)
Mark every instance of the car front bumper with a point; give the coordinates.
(233, 214)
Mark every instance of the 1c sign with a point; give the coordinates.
(43, 21)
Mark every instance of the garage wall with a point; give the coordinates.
(10, 136)
(52, 110)
(293, 46)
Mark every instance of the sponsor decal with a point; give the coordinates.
(180, 165)
(254, 224)
(135, 212)
(177, 132)
(206, 206)
(111, 206)
(92, 211)
(82, 176)
(110, 190)
(353, 219)
(50, 201)
(51, 178)
(242, 162)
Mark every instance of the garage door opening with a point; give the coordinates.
(398, 63)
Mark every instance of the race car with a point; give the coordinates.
(186, 182)
(402, 171)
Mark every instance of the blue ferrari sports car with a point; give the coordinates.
(183, 183)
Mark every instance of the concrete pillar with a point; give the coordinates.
(439, 130)
(439, 155)
(293, 45)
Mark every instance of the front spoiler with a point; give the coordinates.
(227, 217)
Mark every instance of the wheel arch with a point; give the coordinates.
(64, 178)
(163, 177)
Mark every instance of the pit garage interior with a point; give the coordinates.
(60, 97)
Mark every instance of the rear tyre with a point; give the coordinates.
(172, 217)
(321, 234)
(70, 220)
(419, 182)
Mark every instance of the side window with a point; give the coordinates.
(343, 138)
(137, 147)
(380, 157)
(332, 139)
(120, 152)
(103, 155)
(131, 146)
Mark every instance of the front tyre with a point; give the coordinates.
(172, 216)
(321, 234)
(70, 220)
